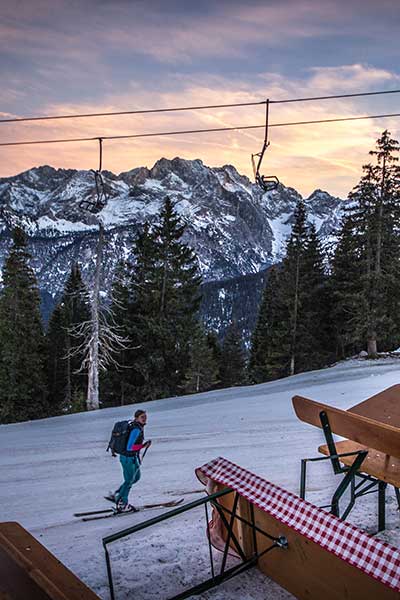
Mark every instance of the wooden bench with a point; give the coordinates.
(371, 450)
(28, 571)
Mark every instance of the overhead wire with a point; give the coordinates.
(201, 107)
(195, 131)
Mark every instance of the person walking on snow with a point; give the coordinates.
(130, 463)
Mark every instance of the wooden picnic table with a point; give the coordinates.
(372, 427)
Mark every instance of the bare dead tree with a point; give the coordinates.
(101, 337)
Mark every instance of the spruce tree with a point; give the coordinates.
(372, 222)
(66, 383)
(214, 344)
(22, 347)
(233, 364)
(165, 298)
(293, 331)
(266, 350)
(202, 372)
(346, 293)
(317, 339)
(146, 361)
(294, 292)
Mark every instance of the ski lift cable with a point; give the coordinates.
(195, 131)
(188, 108)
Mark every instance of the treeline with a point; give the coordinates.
(163, 349)
(319, 305)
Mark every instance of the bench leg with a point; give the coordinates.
(346, 481)
(397, 492)
(340, 490)
(303, 479)
(381, 505)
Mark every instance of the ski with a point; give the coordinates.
(111, 512)
(94, 512)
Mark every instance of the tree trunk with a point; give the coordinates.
(92, 402)
(380, 218)
(295, 311)
(122, 392)
(372, 346)
(68, 387)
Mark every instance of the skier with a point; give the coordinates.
(130, 463)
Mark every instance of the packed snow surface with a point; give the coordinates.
(51, 468)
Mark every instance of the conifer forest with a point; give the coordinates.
(320, 304)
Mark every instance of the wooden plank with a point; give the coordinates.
(379, 465)
(15, 581)
(358, 428)
(245, 532)
(44, 570)
(383, 407)
(308, 571)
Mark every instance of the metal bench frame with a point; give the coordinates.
(367, 485)
(228, 518)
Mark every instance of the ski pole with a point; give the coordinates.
(144, 453)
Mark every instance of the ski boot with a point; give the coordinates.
(123, 507)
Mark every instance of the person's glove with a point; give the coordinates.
(148, 443)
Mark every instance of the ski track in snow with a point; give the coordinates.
(52, 468)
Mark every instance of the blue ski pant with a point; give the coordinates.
(131, 472)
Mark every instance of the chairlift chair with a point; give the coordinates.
(96, 205)
(267, 183)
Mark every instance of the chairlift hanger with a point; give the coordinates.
(96, 205)
(267, 183)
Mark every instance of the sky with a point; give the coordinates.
(68, 56)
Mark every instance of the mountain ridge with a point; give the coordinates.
(235, 229)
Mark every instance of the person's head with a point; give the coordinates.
(141, 417)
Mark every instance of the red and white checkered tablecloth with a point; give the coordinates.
(373, 556)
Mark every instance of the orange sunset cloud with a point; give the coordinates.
(327, 156)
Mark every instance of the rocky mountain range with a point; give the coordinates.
(235, 229)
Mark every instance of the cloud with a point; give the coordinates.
(326, 156)
(222, 31)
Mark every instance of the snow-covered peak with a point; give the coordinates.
(234, 228)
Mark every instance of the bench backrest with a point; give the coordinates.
(364, 430)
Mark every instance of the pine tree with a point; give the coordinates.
(202, 373)
(346, 293)
(294, 291)
(164, 301)
(178, 283)
(233, 364)
(215, 347)
(65, 384)
(266, 349)
(22, 377)
(316, 328)
(146, 361)
(293, 332)
(372, 221)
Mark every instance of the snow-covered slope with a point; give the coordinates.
(233, 227)
(51, 468)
